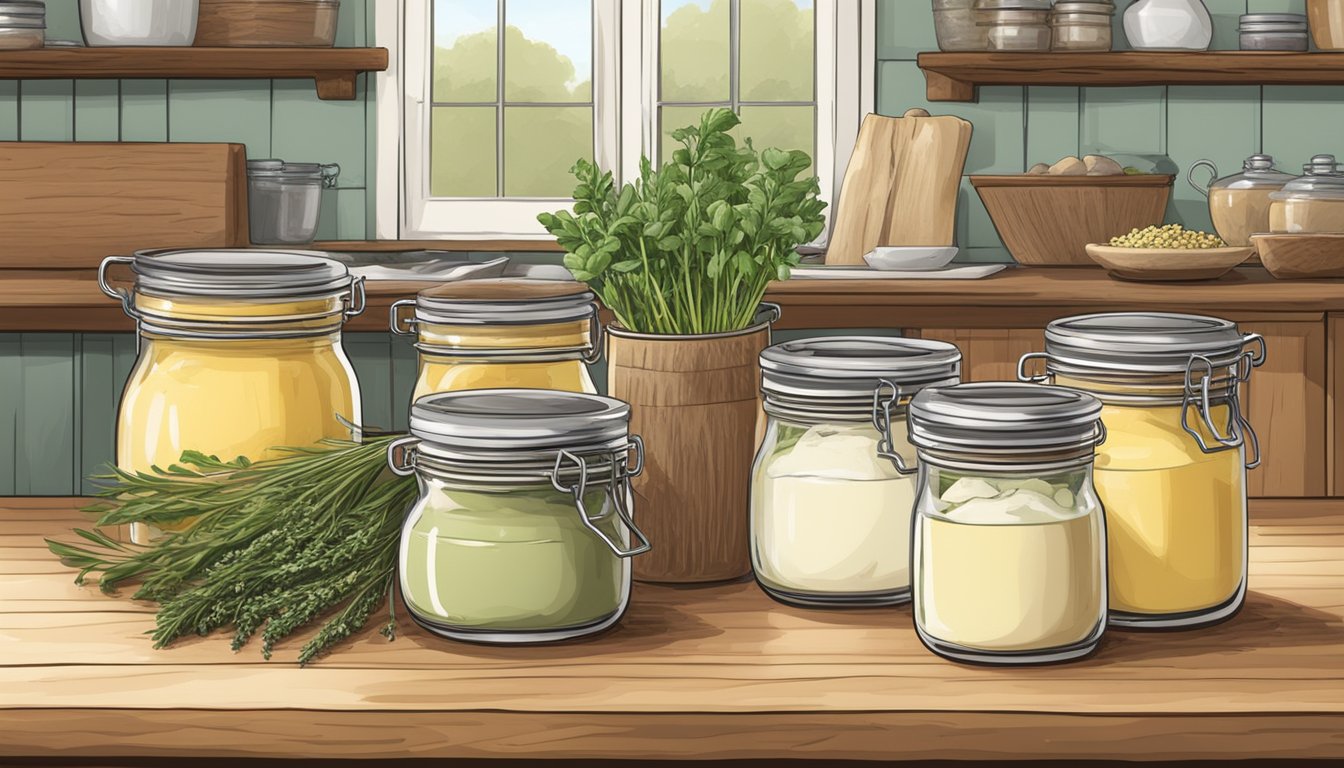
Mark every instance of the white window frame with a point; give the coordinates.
(625, 103)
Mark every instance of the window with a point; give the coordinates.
(756, 56)
(489, 123)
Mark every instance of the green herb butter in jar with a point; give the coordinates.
(523, 530)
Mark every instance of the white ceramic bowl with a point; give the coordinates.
(910, 258)
(139, 22)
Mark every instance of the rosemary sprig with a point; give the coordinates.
(275, 546)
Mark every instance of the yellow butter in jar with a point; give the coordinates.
(1172, 473)
(239, 355)
(502, 333)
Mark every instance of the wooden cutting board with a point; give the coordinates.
(901, 185)
(67, 205)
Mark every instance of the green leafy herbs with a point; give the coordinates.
(690, 248)
(276, 546)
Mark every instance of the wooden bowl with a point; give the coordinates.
(1302, 256)
(1167, 264)
(1049, 220)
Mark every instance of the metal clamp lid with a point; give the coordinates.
(882, 422)
(403, 456)
(619, 494)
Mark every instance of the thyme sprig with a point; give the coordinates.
(275, 546)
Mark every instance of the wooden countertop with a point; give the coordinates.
(69, 300)
(719, 672)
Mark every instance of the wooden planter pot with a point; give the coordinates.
(693, 399)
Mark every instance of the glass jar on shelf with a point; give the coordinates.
(832, 485)
(1313, 203)
(1015, 25)
(1172, 474)
(1009, 563)
(1081, 26)
(503, 333)
(239, 355)
(524, 527)
(1239, 204)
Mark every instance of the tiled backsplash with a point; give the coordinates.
(1016, 127)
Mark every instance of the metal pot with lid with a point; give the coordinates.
(285, 200)
(1239, 204)
(1312, 203)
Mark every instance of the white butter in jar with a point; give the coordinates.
(1009, 561)
(833, 485)
(841, 514)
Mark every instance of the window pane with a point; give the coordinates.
(694, 50)
(466, 52)
(672, 119)
(777, 56)
(782, 128)
(541, 145)
(462, 152)
(548, 51)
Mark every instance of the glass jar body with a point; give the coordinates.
(456, 358)
(830, 518)
(1081, 32)
(1009, 566)
(512, 564)
(1017, 30)
(1307, 216)
(1176, 516)
(231, 398)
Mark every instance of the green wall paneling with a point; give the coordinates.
(45, 462)
(371, 355)
(46, 110)
(904, 28)
(1301, 121)
(9, 110)
(1053, 124)
(1123, 120)
(144, 110)
(237, 111)
(11, 401)
(63, 20)
(405, 372)
(97, 110)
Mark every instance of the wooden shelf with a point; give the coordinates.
(333, 69)
(955, 76)
(711, 673)
(69, 300)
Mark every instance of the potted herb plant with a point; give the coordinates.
(682, 257)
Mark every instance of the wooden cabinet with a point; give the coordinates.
(1286, 399)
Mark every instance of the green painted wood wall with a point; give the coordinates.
(58, 391)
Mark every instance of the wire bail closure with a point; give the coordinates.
(1196, 394)
(1026, 378)
(619, 486)
(882, 421)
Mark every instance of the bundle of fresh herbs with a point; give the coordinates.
(690, 248)
(274, 547)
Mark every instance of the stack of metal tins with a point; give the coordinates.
(23, 24)
(1081, 26)
(1273, 32)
